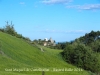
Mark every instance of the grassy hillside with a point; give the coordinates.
(17, 55)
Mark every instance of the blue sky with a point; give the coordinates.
(63, 20)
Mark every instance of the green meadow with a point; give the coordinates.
(18, 57)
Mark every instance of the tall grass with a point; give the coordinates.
(18, 54)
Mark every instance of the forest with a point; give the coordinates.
(84, 52)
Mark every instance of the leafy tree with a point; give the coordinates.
(95, 46)
(1, 29)
(36, 41)
(10, 30)
(68, 54)
(81, 56)
(83, 52)
(19, 35)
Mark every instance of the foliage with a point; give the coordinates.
(60, 45)
(82, 56)
(95, 46)
(9, 29)
(20, 54)
(90, 37)
(1, 29)
(81, 52)
(68, 53)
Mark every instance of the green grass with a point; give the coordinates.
(17, 54)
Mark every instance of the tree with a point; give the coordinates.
(10, 29)
(68, 54)
(19, 35)
(82, 56)
(95, 46)
(1, 29)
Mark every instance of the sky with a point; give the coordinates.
(62, 20)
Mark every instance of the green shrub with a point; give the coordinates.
(82, 56)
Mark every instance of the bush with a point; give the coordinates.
(2, 30)
(10, 30)
(82, 56)
(68, 54)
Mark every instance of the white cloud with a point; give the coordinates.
(85, 7)
(22, 3)
(76, 31)
(56, 1)
(90, 6)
(64, 31)
(79, 7)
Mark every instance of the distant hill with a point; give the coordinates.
(17, 55)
